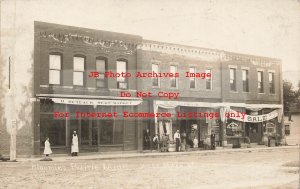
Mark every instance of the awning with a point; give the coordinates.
(173, 104)
(94, 102)
(91, 100)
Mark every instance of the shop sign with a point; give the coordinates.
(257, 118)
(93, 102)
(232, 126)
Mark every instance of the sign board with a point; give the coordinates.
(93, 102)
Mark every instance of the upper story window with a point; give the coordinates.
(260, 81)
(271, 83)
(121, 81)
(192, 79)
(54, 69)
(78, 70)
(101, 68)
(245, 75)
(155, 80)
(232, 79)
(174, 80)
(208, 79)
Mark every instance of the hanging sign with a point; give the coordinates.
(233, 126)
(255, 118)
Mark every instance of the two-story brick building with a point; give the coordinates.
(238, 83)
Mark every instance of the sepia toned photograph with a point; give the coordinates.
(150, 94)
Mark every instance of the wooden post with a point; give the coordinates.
(13, 141)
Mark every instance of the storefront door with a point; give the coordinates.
(254, 132)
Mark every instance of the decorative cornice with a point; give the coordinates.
(193, 52)
(206, 54)
(69, 38)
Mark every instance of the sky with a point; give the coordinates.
(260, 27)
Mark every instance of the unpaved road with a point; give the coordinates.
(268, 169)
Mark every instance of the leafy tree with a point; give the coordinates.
(289, 95)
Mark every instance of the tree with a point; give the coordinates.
(289, 95)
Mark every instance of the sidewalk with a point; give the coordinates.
(121, 155)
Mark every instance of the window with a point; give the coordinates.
(245, 76)
(101, 68)
(232, 79)
(121, 81)
(208, 79)
(192, 79)
(78, 67)
(155, 80)
(53, 128)
(54, 69)
(174, 80)
(271, 83)
(260, 82)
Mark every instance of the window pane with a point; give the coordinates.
(173, 69)
(271, 83)
(78, 78)
(54, 129)
(106, 131)
(101, 76)
(54, 77)
(192, 79)
(155, 81)
(100, 83)
(208, 80)
(232, 74)
(78, 64)
(94, 132)
(54, 62)
(259, 76)
(85, 131)
(244, 75)
(100, 66)
(270, 77)
(232, 79)
(245, 81)
(155, 68)
(260, 82)
(121, 67)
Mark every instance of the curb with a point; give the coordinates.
(157, 154)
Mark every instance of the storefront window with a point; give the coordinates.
(85, 131)
(94, 132)
(54, 129)
(106, 131)
(233, 128)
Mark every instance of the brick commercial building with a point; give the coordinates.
(64, 92)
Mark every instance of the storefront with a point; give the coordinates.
(193, 120)
(232, 123)
(258, 123)
(60, 117)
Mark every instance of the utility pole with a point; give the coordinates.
(12, 94)
(13, 122)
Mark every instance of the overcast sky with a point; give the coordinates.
(259, 27)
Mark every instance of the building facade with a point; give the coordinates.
(209, 82)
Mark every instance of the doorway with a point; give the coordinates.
(254, 132)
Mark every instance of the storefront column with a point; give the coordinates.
(223, 128)
(67, 129)
(139, 131)
(37, 125)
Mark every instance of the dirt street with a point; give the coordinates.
(268, 169)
